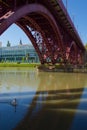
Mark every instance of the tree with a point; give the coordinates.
(8, 44)
(20, 42)
(27, 57)
(23, 59)
(86, 46)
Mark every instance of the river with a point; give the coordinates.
(33, 100)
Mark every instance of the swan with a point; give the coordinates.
(14, 102)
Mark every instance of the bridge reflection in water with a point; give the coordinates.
(56, 104)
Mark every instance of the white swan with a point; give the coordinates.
(14, 102)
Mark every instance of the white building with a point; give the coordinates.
(19, 53)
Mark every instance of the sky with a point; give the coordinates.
(77, 10)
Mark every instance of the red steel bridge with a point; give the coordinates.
(48, 26)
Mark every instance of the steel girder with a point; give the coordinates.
(50, 39)
(73, 53)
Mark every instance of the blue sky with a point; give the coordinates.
(78, 12)
(14, 34)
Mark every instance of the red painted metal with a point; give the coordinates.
(49, 28)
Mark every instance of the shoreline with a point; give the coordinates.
(19, 64)
(44, 68)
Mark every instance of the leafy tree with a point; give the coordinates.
(27, 57)
(86, 46)
(23, 59)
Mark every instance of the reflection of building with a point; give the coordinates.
(19, 53)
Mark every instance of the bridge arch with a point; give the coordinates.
(73, 55)
(26, 18)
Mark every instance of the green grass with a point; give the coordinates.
(19, 64)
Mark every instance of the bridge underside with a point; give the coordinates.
(47, 25)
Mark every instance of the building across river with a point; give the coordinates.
(19, 53)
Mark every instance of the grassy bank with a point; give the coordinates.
(19, 64)
(48, 68)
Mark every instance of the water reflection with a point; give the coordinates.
(44, 100)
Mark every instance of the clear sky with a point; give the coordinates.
(78, 13)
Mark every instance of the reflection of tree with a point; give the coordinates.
(54, 104)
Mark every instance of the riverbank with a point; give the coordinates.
(19, 64)
(47, 68)
(62, 68)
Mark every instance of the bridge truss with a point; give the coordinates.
(48, 26)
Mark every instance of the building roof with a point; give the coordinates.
(24, 46)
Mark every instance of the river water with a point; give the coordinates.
(33, 100)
